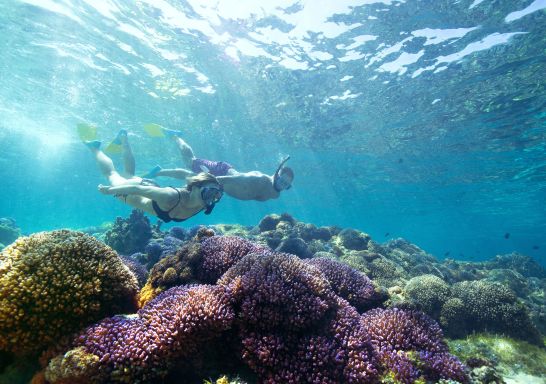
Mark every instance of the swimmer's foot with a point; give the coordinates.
(93, 144)
(171, 132)
(152, 174)
(119, 137)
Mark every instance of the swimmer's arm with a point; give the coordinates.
(154, 193)
(177, 173)
(223, 180)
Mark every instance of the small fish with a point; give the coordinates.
(507, 235)
(535, 247)
(387, 234)
(446, 254)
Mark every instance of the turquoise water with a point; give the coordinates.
(417, 119)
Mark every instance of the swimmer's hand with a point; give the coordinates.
(104, 189)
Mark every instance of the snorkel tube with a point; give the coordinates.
(210, 203)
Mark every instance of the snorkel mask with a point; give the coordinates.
(276, 177)
(210, 196)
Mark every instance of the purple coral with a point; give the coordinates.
(350, 284)
(285, 323)
(219, 253)
(178, 232)
(337, 352)
(286, 310)
(278, 290)
(402, 336)
(143, 347)
(138, 269)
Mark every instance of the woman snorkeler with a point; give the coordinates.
(201, 192)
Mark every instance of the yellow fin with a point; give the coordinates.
(154, 130)
(87, 132)
(113, 149)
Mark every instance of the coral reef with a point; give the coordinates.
(350, 284)
(157, 249)
(335, 351)
(198, 262)
(353, 239)
(266, 309)
(296, 246)
(128, 236)
(128, 349)
(522, 264)
(278, 290)
(296, 319)
(430, 292)
(481, 305)
(507, 359)
(9, 231)
(55, 283)
(410, 345)
(138, 270)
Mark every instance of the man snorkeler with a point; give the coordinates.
(253, 185)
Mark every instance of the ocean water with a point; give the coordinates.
(417, 119)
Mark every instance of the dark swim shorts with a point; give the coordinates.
(216, 168)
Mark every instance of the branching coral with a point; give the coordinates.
(142, 348)
(429, 291)
(409, 345)
(198, 262)
(128, 236)
(350, 284)
(55, 283)
(487, 306)
(274, 312)
(337, 350)
(278, 290)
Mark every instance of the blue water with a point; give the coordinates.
(417, 119)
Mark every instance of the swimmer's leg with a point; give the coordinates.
(128, 157)
(185, 151)
(105, 164)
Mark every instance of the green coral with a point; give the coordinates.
(430, 292)
(511, 357)
(55, 283)
(487, 306)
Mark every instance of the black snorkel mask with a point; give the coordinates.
(276, 175)
(210, 196)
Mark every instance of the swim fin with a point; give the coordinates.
(87, 132)
(115, 147)
(152, 173)
(154, 130)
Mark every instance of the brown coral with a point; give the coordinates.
(55, 283)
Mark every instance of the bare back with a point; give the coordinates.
(249, 186)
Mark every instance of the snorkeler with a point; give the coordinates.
(201, 192)
(253, 185)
